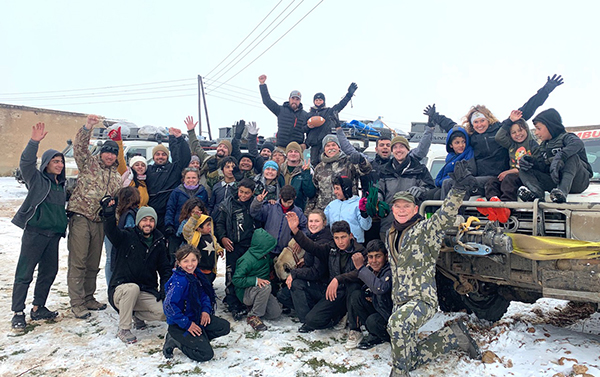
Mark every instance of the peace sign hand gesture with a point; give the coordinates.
(262, 196)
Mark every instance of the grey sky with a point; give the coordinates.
(403, 55)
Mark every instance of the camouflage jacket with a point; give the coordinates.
(327, 170)
(94, 181)
(413, 263)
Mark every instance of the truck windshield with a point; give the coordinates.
(592, 149)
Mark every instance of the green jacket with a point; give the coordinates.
(255, 263)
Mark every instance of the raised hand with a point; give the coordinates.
(189, 123)
(429, 110)
(553, 82)
(175, 131)
(293, 221)
(261, 197)
(38, 132)
(115, 135)
(262, 79)
(352, 88)
(515, 115)
(252, 128)
(92, 120)
(358, 259)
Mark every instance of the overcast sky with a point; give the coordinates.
(402, 54)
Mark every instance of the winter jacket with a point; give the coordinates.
(45, 201)
(291, 124)
(275, 221)
(257, 160)
(413, 261)
(400, 177)
(515, 150)
(327, 170)
(221, 191)
(314, 269)
(187, 297)
(206, 244)
(452, 158)
(380, 285)
(178, 197)
(95, 180)
(129, 177)
(235, 222)
(255, 263)
(135, 262)
(272, 189)
(348, 211)
(163, 179)
(302, 181)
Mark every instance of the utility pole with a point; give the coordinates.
(205, 108)
(199, 106)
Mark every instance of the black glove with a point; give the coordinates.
(356, 158)
(351, 89)
(432, 114)
(553, 82)
(108, 208)
(526, 163)
(212, 164)
(239, 129)
(169, 231)
(463, 179)
(161, 295)
(417, 192)
(364, 214)
(556, 167)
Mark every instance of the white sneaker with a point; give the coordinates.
(354, 337)
(342, 323)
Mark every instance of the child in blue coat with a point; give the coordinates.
(188, 306)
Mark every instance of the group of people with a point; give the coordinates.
(336, 240)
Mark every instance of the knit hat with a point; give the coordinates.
(195, 158)
(160, 147)
(279, 150)
(404, 195)
(345, 183)
(227, 145)
(270, 164)
(110, 146)
(552, 120)
(145, 212)
(319, 96)
(402, 140)
(135, 159)
(268, 145)
(293, 146)
(329, 138)
(296, 93)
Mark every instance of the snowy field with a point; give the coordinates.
(526, 342)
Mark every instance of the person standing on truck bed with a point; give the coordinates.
(98, 177)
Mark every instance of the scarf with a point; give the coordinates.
(191, 187)
(328, 160)
(401, 227)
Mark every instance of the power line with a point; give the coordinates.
(274, 43)
(123, 100)
(236, 47)
(243, 103)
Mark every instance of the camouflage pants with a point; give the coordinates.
(408, 351)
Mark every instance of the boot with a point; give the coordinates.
(169, 346)
(465, 341)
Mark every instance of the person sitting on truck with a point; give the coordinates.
(314, 135)
(459, 148)
(164, 176)
(558, 165)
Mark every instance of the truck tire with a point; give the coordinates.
(448, 298)
(486, 303)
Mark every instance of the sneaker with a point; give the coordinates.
(465, 341)
(94, 305)
(256, 323)
(80, 311)
(502, 214)
(139, 324)
(305, 329)
(525, 194)
(18, 322)
(369, 342)
(126, 336)
(354, 337)
(42, 313)
(558, 196)
(239, 314)
(169, 346)
(341, 325)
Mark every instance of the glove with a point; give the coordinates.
(252, 129)
(362, 204)
(239, 129)
(429, 110)
(417, 192)
(556, 167)
(553, 82)
(356, 158)
(351, 89)
(115, 134)
(169, 231)
(212, 164)
(526, 163)
(463, 179)
(108, 208)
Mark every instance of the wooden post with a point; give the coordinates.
(205, 108)
(199, 106)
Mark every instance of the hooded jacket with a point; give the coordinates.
(178, 197)
(206, 244)
(348, 211)
(515, 150)
(45, 201)
(255, 263)
(452, 158)
(291, 124)
(235, 221)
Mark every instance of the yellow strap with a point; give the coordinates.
(548, 248)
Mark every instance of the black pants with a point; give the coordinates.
(174, 245)
(36, 249)
(231, 258)
(303, 296)
(506, 189)
(574, 179)
(362, 312)
(327, 313)
(198, 348)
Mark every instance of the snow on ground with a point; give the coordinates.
(523, 343)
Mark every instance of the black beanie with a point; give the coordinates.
(268, 145)
(552, 120)
(346, 184)
(319, 96)
(110, 146)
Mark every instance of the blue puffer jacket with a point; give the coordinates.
(178, 197)
(187, 297)
(452, 158)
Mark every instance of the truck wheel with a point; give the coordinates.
(448, 298)
(486, 303)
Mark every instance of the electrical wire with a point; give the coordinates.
(123, 100)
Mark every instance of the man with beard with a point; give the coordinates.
(296, 172)
(141, 255)
(163, 176)
(291, 118)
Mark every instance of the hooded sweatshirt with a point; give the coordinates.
(255, 263)
(452, 157)
(515, 150)
(44, 207)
